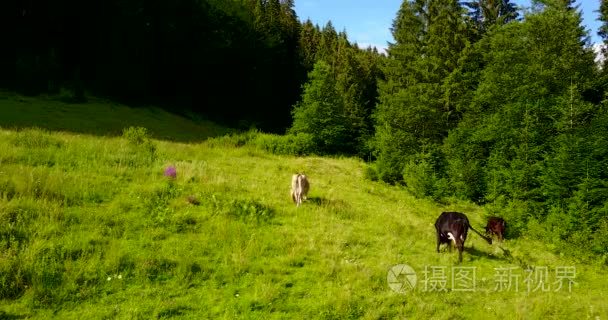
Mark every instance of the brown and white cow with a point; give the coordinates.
(453, 227)
(497, 226)
(299, 188)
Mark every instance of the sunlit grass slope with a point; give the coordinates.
(91, 229)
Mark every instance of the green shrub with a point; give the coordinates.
(291, 144)
(422, 180)
(599, 243)
(467, 179)
(135, 135)
(246, 210)
(234, 140)
(249, 211)
(371, 173)
(144, 149)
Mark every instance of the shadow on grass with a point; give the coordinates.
(521, 261)
(478, 254)
(174, 312)
(103, 118)
(320, 201)
(8, 316)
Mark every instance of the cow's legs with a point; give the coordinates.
(438, 241)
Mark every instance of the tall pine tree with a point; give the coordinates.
(412, 116)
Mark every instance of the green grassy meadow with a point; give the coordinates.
(90, 228)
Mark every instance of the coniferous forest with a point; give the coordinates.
(474, 100)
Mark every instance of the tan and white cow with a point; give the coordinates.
(299, 188)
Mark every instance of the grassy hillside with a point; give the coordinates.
(91, 229)
(99, 117)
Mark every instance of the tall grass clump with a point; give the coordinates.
(245, 210)
(154, 200)
(35, 138)
(22, 221)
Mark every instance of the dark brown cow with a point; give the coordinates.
(497, 226)
(453, 226)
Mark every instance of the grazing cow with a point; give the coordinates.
(299, 188)
(496, 226)
(453, 226)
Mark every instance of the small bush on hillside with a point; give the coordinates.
(371, 173)
(135, 135)
(249, 211)
(139, 139)
(245, 210)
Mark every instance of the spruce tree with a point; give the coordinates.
(320, 113)
(412, 116)
(483, 14)
(603, 32)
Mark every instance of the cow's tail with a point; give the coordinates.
(488, 239)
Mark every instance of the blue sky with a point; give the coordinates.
(367, 22)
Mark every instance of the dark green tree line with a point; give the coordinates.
(414, 115)
(232, 60)
(342, 87)
(512, 115)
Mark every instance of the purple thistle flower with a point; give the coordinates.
(170, 172)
